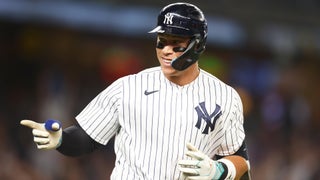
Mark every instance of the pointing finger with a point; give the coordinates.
(30, 124)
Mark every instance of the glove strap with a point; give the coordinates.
(229, 169)
(219, 171)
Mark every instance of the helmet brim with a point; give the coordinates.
(172, 30)
(157, 29)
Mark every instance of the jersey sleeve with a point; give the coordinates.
(234, 131)
(99, 119)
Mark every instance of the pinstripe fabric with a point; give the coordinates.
(152, 130)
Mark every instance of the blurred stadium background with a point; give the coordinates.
(56, 55)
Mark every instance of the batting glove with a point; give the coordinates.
(200, 167)
(46, 135)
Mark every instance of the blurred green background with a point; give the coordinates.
(55, 56)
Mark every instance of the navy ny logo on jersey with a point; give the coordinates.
(210, 119)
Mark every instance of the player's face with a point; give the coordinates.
(168, 48)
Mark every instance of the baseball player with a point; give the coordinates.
(175, 121)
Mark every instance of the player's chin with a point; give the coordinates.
(168, 69)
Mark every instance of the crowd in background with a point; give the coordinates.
(54, 72)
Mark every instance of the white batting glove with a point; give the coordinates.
(46, 135)
(200, 167)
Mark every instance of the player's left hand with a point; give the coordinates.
(200, 167)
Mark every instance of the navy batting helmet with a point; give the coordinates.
(184, 19)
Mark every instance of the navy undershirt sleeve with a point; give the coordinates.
(76, 142)
(243, 152)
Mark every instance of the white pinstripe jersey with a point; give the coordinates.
(153, 119)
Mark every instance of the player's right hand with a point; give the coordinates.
(46, 135)
(200, 167)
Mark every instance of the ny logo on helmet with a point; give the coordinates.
(203, 114)
(168, 18)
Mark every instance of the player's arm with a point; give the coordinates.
(72, 141)
(75, 142)
(202, 167)
(237, 164)
(240, 162)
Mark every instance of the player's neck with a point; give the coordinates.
(187, 76)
